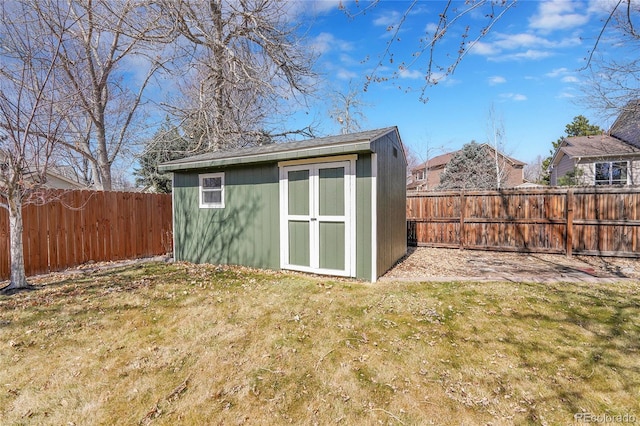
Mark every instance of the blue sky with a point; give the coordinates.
(527, 69)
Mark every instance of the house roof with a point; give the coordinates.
(435, 162)
(442, 160)
(332, 145)
(594, 146)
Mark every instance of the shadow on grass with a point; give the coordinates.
(6, 291)
(598, 342)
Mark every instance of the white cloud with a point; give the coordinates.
(504, 47)
(411, 74)
(516, 41)
(325, 42)
(565, 75)
(431, 28)
(569, 79)
(558, 15)
(565, 95)
(497, 79)
(390, 19)
(557, 72)
(484, 49)
(518, 97)
(344, 74)
(530, 54)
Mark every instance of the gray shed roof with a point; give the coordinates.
(332, 145)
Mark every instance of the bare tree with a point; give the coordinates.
(107, 64)
(245, 65)
(29, 121)
(423, 57)
(346, 109)
(496, 137)
(614, 79)
(534, 170)
(423, 169)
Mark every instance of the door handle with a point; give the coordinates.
(313, 218)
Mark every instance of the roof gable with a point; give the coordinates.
(627, 125)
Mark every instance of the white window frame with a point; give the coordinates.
(202, 190)
(610, 180)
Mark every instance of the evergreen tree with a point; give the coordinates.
(470, 168)
(580, 126)
(166, 144)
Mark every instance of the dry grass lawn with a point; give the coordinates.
(189, 344)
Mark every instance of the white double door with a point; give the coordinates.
(317, 210)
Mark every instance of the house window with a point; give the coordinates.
(613, 173)
(212, 191)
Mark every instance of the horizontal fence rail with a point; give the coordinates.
(603, 221)
(75, 227)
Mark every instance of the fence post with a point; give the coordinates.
(569, 237)
(462, 213)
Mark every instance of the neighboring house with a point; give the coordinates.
(58, 181)
(607, 159)
(426, 176)
(53, 179)
(334, 205)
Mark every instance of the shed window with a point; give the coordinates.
(212, 191)
(613, 173)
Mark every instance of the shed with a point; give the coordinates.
(332, 205)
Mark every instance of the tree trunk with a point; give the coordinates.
(218, 72)
(18, 274)
(102, 156)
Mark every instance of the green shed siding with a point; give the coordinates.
(364, 259)
(245, 232)
(391, 200)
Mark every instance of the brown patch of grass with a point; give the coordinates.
(193, 344)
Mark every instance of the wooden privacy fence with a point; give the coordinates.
(591, 221)
(75, 227)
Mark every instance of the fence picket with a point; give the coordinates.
(77, 226)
